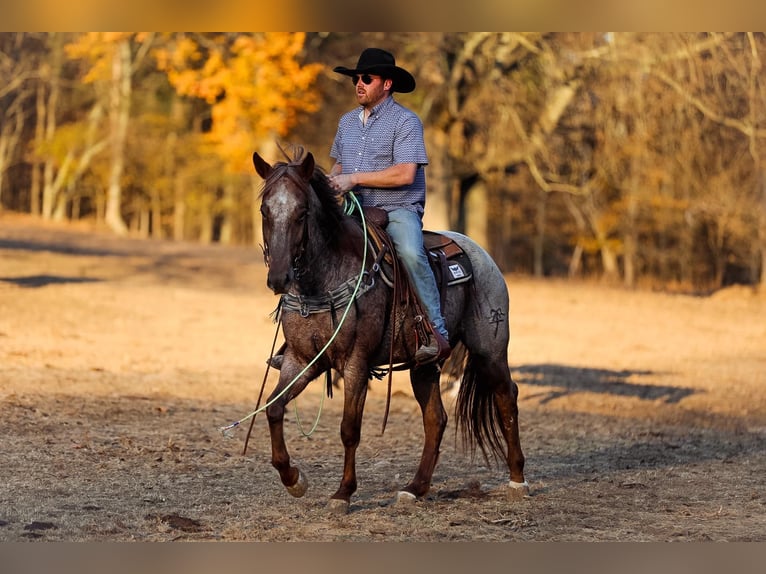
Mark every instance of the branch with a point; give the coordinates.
(532, 145)
(743, 127)
(469, 47)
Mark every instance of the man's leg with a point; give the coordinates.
(406, 230)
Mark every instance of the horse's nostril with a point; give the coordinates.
(278, 285)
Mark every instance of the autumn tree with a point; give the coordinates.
(112, 59)
(721, 78)
(20, 56)
(630, 156)
(256, 88)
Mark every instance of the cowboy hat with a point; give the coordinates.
(381, 63)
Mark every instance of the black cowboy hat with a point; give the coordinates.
(381, 63)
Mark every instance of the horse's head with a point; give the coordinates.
(285, 205)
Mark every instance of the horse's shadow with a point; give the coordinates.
(63, 245)
(33, 281)
(569, 380)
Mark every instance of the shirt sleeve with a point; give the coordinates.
(336, 151)
(409, 146)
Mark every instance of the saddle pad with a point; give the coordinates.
(450, 263)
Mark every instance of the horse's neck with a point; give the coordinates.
(328, 264)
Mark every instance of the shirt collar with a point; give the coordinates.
(377, 110)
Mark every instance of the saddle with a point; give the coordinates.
(449, 263)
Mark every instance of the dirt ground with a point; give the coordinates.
(643, 415)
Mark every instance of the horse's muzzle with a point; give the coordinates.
(279, 281)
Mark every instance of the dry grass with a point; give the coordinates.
(643, 415)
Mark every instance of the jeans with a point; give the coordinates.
(406, 230)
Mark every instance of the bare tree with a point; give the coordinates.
(17, 70)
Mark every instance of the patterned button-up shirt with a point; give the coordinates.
(392, 135)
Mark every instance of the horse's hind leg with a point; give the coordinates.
(506, 399)
(425, 385)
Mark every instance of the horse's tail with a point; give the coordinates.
(478, 417)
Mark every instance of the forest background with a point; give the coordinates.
(633, 158)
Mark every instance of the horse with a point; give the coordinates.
(314, 249)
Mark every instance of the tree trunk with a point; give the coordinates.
(437, 175)
(51, 113)
(539, 242)
(206, 227)
(10, 133)
(609, 261)
(35, 192)
(575, 263)
(179, 208)
(477, 213)
(761, 183)
(119, 114)
(630, 241)
(227, 213)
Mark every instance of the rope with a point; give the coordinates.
(316, 422)
(226, 430)
(263, 383)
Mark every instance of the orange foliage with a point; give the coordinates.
(97, 48)
(255, 86)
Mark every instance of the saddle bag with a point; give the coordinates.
(450, 263)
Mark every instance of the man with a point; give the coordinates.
(380, 155)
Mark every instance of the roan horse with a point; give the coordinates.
(312, 249)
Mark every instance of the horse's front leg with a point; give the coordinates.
(291, 476)
(425, 385)
(355, 381)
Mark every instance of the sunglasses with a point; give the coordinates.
(366, 79)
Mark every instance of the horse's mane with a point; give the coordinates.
(327, 196)
(331, 216)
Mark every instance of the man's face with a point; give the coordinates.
(370, 89)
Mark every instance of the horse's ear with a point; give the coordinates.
(307, 166)
(261, 166)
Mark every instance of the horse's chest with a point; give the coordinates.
(308, 336)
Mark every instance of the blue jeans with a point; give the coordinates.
(406, 230)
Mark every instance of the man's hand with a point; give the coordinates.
(342, 182)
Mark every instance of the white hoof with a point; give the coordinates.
(299, 488)
(517, 490)
(337, 507)
(405, 498)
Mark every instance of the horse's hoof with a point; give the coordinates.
(337, 506)
(300, 487)
(517, 490)
(404, 498)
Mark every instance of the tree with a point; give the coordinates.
(113, 59)
(257, 90)
(17, 74)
